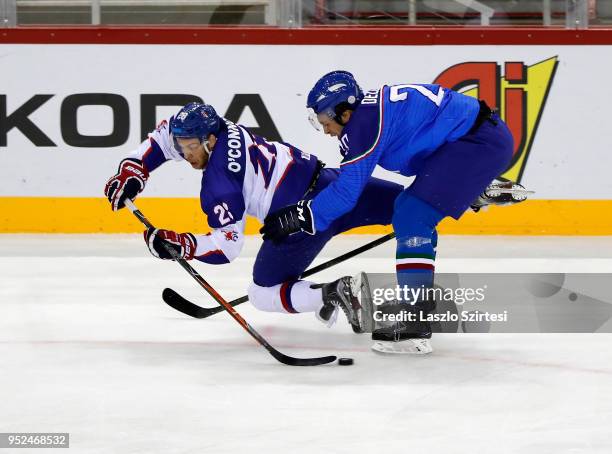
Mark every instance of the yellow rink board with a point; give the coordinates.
(93, 215)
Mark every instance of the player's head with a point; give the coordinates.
(332, 96)
(191, 129)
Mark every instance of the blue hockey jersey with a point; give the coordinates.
(395, 127)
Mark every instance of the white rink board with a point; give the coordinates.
(569, 159)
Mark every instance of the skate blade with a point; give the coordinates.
(360, 287)
(405, 347)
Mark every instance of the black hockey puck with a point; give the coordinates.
(345, 361)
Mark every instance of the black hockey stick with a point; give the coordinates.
(181, 304)
(289, 360)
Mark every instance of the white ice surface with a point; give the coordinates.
(88, 347)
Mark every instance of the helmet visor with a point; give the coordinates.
(313, 118)
(190, 146)
(176, 144)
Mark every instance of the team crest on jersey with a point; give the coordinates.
(230, 235)
(520, 95)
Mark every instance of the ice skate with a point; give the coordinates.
(339, 294)
(401, 334)
(501, 193)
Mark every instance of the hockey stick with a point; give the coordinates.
(181, 304)
(289, 360)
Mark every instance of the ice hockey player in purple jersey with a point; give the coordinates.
(454, 145)
(244, 174)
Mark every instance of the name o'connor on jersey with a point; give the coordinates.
(245, 175)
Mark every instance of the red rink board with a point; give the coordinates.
(307, 36)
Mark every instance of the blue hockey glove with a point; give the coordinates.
(289, 220)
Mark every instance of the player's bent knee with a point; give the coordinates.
(264, 298)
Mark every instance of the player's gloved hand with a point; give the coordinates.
(129, 181)
(183, 243)
(288, 220)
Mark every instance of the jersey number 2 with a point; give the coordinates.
(396, 94)
(223, 212)
(263, 156)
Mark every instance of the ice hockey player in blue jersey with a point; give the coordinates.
(244, 174)
(454, 145)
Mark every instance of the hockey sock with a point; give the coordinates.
(415, 223)
(289, 297)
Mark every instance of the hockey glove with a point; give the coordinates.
(289, 220)
(184, 244)
(127, 184)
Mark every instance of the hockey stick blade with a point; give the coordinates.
(291, 361)
(176, 301)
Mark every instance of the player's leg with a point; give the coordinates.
(448, 181)
(456, 174)
(280, 265)
(414, 223)
(276, 286)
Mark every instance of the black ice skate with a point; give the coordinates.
(339, 294)
(501, 193)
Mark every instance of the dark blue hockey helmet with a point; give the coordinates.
(332, 89)
(194, 120)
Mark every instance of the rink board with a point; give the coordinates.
(89, 215)
(96, 101)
